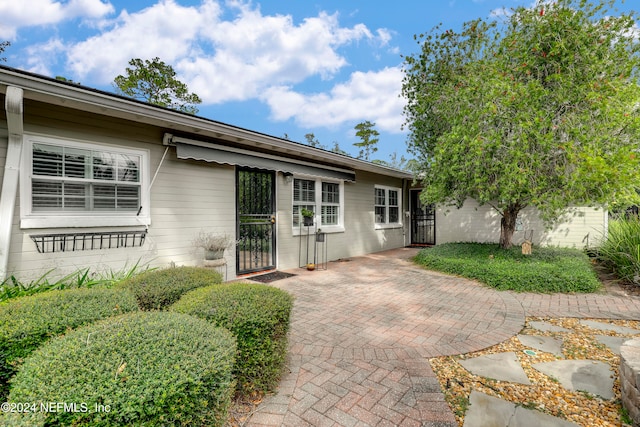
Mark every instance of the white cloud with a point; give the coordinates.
(19, 14)
(220, 59)
(166, 30)
(373, 96)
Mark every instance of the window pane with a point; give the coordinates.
(76, 162)
(330, 192)
(304, 190)
(393, 215)
(297, 217)
(104, 197)
(47, 160)
(393, 198)
(74, 196)
(103, 166)
(329, 215)
(380, 215)
(380, 198)
(47, 196)
(128, 168)
(128, 197)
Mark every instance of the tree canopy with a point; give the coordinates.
(541, 109)
(155, 82)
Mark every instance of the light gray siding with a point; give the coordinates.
(474, 223)
(359, 236)
(186, 197)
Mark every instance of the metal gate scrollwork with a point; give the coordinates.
(255, 191)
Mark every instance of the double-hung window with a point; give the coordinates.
(387, 206)
(70, 183)
(324, 198)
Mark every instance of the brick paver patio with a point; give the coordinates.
(363, 330)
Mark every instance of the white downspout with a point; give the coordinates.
(14, 110)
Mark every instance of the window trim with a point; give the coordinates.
(31, 219)
(337, 228)
(387, 224)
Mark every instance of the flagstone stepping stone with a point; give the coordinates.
(609, 327)
(485, 410)
(499, 366)
(614, 343)
(546, 344)
(547, 327)
(592, 376)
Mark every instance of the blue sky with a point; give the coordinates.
(275, 66)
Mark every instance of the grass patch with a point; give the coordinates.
(546, 270)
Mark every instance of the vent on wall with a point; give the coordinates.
(69, 242)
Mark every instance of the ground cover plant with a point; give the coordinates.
(26, 322)
(258, 316)
(621, 250)
(158, 289)
(144, 368)
(12, 287)
(545, 270)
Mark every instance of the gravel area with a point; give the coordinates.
(545, 393)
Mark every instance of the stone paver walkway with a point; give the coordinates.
(363, 330)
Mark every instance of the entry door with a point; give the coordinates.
(255, 201)
(423, 221)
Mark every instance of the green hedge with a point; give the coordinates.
(144, 369)
(160, 288)
(26, 322)
(258, 316)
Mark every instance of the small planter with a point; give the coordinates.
(213, 254)
(311, 267)
(307, 221)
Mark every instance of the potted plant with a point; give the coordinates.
(213, 244)
(307, 216)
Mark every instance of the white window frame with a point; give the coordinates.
(386, 224)
(57, 219)
(317, 219)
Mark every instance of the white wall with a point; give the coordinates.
(359, 237)
(474, 223)
(186, 197)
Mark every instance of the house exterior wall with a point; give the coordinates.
(187, 196)
(360, 235)
(583, 227)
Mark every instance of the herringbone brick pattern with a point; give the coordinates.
(362, 333)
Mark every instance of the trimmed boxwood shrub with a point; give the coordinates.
(144, 369)
(258, 316)
(158, 289)
(26, 322)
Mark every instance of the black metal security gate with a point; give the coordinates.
(423, 221)
(255, 197)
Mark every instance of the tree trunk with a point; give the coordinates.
(508, 225)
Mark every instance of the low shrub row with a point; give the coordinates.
(158, 289)
(258, 316)
(26, 322)
(144, 368)
(546, 270)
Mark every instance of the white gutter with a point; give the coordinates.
(14, 109)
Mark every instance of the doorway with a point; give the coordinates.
(256, 217)
(423, 221)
